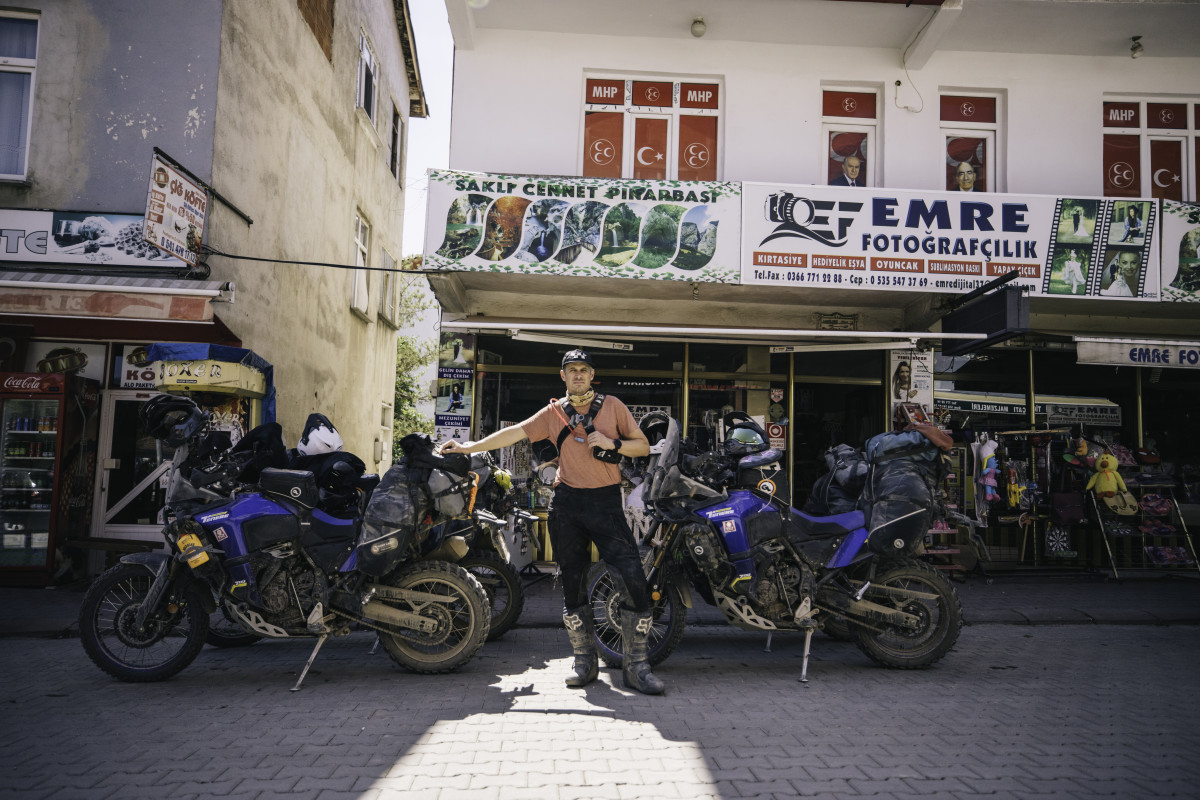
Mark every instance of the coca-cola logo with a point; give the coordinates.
(28, 382)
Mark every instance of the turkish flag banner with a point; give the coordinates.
(858, 105)
(1166, 169)
(659, 94)
(697, 148)
(957, 108)
(603, 138)
(649, 149)
(604, 92)
(1122, 115)
(1167, 116)
(1121, 160)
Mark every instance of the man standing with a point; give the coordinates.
(850, 169)
(586, 509)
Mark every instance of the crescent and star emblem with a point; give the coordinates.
(641, 159)
(1157, 182)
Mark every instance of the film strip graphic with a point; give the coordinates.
(1086, 264)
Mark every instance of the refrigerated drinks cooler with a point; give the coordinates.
(48, 426)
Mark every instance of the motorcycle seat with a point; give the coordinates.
(811, 527)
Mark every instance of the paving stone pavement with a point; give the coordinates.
(1014, 711)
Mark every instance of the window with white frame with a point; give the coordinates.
(651, 129)
(395, 143)
(1152, 148)
(360, 283)
(970, 128)
(368, 74)
(18, 63)
(850, 137)
(387, 290)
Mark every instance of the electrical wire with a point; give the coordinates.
(210, 250)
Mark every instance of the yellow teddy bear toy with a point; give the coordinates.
(1106, 480)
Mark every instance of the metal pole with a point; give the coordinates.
(1032, 394)
(1137, 383)
(791, 426)
(687, 370)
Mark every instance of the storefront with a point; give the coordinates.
(815, 310)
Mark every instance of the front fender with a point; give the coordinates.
(151, 561)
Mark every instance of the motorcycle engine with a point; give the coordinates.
(781, 584)
(284, 582)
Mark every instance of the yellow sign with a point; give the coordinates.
(224, 377)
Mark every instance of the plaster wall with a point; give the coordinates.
(518, 104)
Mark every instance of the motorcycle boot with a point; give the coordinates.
(635, 666)
(579, 630)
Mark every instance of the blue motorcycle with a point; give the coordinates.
(286, 555)
(721, 527)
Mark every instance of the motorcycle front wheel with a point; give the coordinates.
(505, 592)
(165, 645)
(606, 592)
(940, 619)
(224, 632)
(462, 616)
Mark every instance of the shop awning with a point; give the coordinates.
(1169, 353)
(48, 294)
(1058, 409)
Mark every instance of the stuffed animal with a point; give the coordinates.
(1106, 481)
(988, 472)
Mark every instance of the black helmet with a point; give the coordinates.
(744, 440)
(172, 419)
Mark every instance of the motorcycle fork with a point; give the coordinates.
(163, 574)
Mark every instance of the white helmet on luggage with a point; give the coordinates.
(319, 437)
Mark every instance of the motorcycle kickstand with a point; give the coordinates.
(375, 646)
(767, 649)
(808, 632)
(311, 659)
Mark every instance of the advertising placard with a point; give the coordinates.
(1181, 252)
(455, 385)
(927, 241)
(175, 209)
(96, 239)
(587, 227)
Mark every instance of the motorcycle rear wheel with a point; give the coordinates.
(505, 592)
(941, 619)
(606, 592)
(109, 636)
(463, 618)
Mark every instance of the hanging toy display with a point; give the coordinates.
(989, 471)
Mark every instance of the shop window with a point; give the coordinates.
(395, 143)
(969, 125)
(651, 129)
(849, 130)
(1151, 149)
(387, 290)
(359, 294)
(18, 63)
(368, 77)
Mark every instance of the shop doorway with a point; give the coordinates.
(131, 485)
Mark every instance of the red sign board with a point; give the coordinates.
(650, 149)
(1121, 161)
(31, 383)
(1166, 169)
(699, 95)
(1122, 115)
(960, 108)
(605, 92)
(603, 139)
(857, 105)
(697, 148)
(659, 94)
(1167, 116)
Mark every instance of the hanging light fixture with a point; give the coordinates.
(698, 27)
(1137, 48)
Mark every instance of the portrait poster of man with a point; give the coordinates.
(847, 160)
(966, 164)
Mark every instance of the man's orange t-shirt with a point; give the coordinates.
(577, 467)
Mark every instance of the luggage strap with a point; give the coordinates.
(563, 407)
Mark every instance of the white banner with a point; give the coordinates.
(866, 238)
(1181, 252)
(1138, 353)
(589, 227)
(98, 240)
